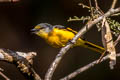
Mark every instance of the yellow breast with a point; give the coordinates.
(59, 37)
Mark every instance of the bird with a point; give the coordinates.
(58, 36)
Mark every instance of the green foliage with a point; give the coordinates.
(115, 26)
(95, 13)
(75, 18)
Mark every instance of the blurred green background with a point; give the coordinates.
(16, 20)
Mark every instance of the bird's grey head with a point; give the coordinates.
(42, 27)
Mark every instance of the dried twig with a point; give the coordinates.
(91, 9)
(110, 46)
(22, 60)
(113, 4)
(86, 67)
(96, 4)
(103, 41)
(62, 52)
(107, 37)
(75, 18)
(84, 6)
(117, 40)
(4, 76)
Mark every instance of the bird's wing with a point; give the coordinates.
(71, 30)
(75, 32)
(63, 27)
(59, 26)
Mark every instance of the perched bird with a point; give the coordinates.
(58, 36)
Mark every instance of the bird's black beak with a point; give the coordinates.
(34, 30)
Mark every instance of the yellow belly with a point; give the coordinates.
(59, 38)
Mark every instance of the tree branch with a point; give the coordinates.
(84, 68)
(92, 64)
(22, 60)
(113, 4)
(117, 40)
(4, 76)
(109, 45)
(62, 52)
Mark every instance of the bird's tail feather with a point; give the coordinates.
(94, 47)
(90, 45)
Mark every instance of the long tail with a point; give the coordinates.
(91, 46)
(94, 47)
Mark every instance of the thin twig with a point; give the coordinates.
(113, 4)
(84, 68)
(98, 8)
(4, 76)
(75, 18)
(91, 8)
(100, 58)
(117, 40)
(62, 52)
(96, 4)
(84, 6)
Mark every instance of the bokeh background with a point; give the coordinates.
(16, 20)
